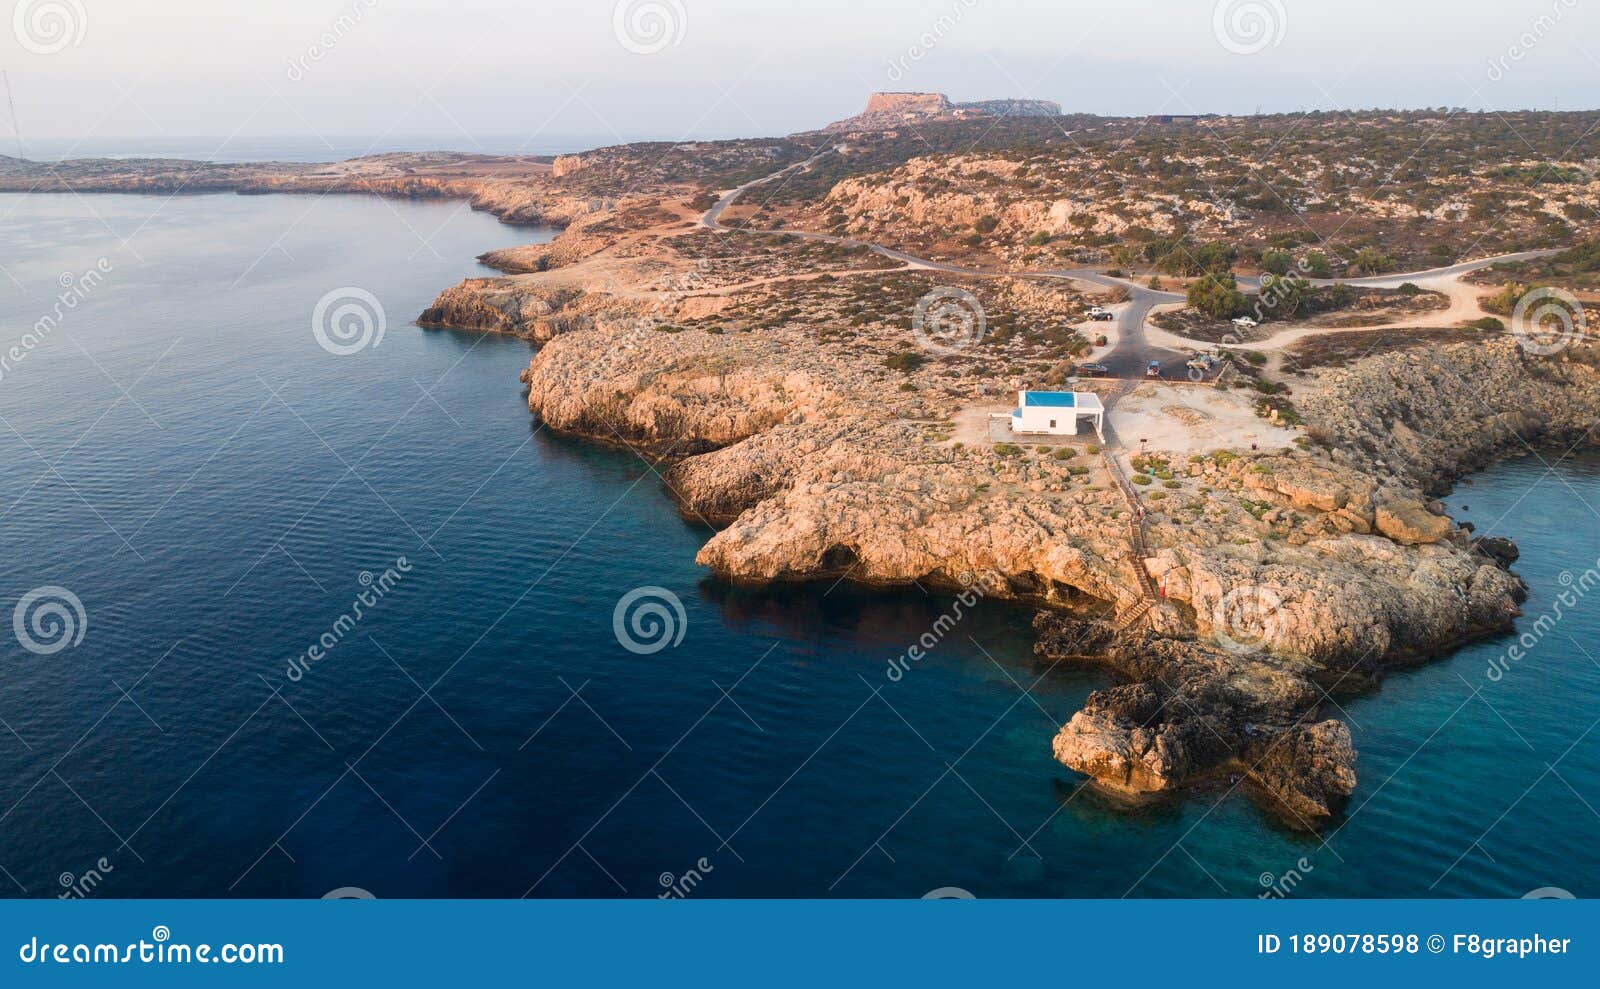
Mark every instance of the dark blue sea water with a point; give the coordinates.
(184, 458)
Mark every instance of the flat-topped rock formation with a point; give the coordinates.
(887, 110)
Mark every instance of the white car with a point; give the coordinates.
(1245, 323)
(1101, 314)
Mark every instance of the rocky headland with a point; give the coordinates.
(889, 110)
(1236, 590)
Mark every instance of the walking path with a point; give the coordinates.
(1137, 343)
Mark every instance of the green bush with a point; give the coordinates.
(1277, 262)
(1218, 296)
(1141, 479)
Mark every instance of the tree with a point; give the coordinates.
(1281, 298)
(1318, 265)
(1277, 262)
(1217, 295)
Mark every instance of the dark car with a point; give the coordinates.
(1093, 370)
(1154, 370)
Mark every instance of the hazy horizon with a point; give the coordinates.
(90, 73)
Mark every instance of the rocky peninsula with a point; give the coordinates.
(1239, 559)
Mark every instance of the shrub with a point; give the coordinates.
(1141, 479)
(905, 360)
(1318, 265)
(1277, 262)
(1008, 449)
(1172, 484)
(1156, 495)
(1218, 296)
(986, 223)
(1410, 288)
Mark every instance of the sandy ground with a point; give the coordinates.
(1463, 307)
(1186, 419)
(1091, 331)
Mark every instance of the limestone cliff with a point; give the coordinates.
(886, 110)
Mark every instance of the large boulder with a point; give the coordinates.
(1410, 523)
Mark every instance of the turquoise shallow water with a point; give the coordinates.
(211, 484)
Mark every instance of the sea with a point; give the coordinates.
(304, 603)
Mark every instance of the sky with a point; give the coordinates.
(469, 73)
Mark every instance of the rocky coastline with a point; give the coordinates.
(773, 382)
(1306, 575)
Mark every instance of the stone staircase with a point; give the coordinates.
(1149, 594)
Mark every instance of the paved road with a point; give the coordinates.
(1253, 283)
(1133, 351)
